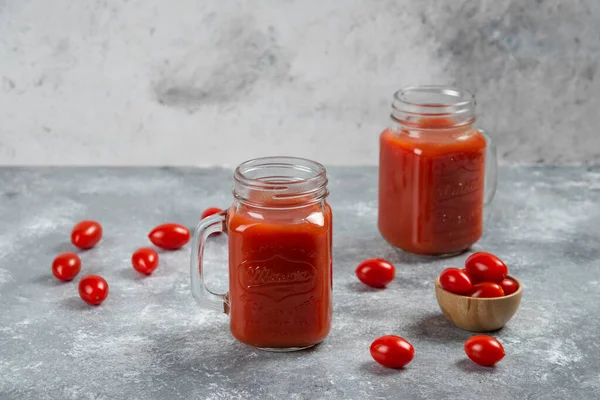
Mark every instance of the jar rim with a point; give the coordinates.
(280, 180)
(301, 164)
(434, 101)
(404, 95)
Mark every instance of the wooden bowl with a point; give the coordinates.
(476, 314)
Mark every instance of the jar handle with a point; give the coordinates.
(214, 301)
(491, 169)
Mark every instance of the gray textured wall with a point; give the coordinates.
(216, 82)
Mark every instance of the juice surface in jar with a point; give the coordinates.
(280, 271)
(431, 186)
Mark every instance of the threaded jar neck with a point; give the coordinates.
(280, 182)
(433, 106)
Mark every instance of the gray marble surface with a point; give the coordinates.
(150, 340)
(150, 82)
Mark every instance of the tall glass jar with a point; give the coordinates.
(280, 262)
(432, 172)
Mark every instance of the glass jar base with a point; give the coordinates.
(437, 255)
(285, 349)
(418, 253)
(426, 256)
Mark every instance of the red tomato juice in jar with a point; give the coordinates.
(432, 173)
(280, 277)
(280, 260)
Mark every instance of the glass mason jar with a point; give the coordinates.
(436, 172)
(280, 261)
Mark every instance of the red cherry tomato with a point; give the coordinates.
(375, 272)
(169, 236)
(66, 266)
(210, 211)
(144, 260)
(93, 289)
(86, 234)
(486, 267)
(484, 350)
(509, 286)
(455, 280)
(486, 290)
(392, 351)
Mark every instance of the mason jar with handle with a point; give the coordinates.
(436, 172)
(280, 261)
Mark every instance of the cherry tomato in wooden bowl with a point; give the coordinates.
(486, 290)
(392, 351)
(144, 260)
(169, 236)
(509, 286)
(66, 266)
(93, 289)
(455, 281)
(485, 267)
(484, 350)
(478, 314)
(86, 234)
(375, 272)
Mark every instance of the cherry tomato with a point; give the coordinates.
(486, 290)
(484, 350)
(144, 260)
(66, 266)
(375, 272)
(169, 236)
(93, 289)
(455, 280)
(210, 211)
(392, 351)
(486, 267)
(86, 234)
(509, 286)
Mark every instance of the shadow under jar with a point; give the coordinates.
(433, 180)
(280, 259)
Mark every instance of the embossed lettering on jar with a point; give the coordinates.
(432, 171)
